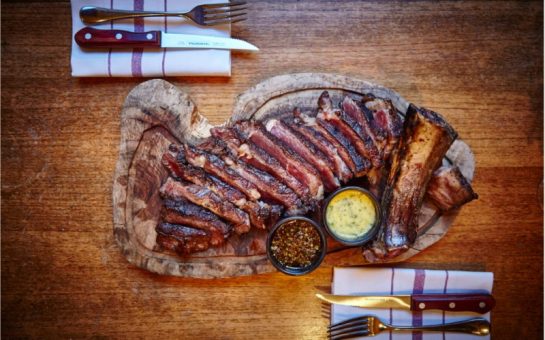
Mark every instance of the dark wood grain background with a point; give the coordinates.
(478, 63)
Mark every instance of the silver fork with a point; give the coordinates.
(370, 326)
(205, 15)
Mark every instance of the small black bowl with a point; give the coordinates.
(297, 270)
(369, 235)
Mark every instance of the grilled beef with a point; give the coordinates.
(449, 189)
(182, 239)
(291, 162)
(425, 140)
(306, 151)
(204, 197)
(252, 173)
(321, 144)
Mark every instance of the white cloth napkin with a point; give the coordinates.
(390, 281)
(149, 62)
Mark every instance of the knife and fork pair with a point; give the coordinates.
(371, 325)
(205, 15)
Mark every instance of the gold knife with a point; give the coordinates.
(478, 303)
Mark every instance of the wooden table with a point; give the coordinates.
(478, 63)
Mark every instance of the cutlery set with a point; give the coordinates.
(370, 325)
(204, 15)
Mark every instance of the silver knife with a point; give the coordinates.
(91, 38)
(478, 303)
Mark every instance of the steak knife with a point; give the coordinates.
(91, 37)
(478, 303)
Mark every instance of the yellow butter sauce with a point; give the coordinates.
(350, 214)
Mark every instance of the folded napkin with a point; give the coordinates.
(149, 62)
(390, 281)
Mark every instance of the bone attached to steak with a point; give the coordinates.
(181, 239)
(306, 151)
(449, 189)
(206, 198)
(425, 140)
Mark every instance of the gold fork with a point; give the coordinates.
(370, 326)
(205, 15)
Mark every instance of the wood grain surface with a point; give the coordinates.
(478, 63)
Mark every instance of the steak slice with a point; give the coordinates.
(353, 116)
(191, 215)
(261, 160)
(306, 151)
(449, 189)
(271, 189)
(385, 121)
(322, 144)
(343, 133)
(215, 166)
(259, 213)
(181, 239)
(293, 164)
(205, 198)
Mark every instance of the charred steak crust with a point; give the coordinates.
(250, 174)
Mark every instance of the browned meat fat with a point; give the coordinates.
(449, 189)
(425, 140)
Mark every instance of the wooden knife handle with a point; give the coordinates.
(92, 37)
(478, 303)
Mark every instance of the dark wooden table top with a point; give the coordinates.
(478, 63)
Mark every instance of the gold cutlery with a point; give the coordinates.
(370, 326)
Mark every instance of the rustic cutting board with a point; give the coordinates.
(156, 113)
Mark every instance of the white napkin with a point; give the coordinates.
(389, 281)
(151, 62)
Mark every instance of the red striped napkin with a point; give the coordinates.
(390, 281)
(149, 62)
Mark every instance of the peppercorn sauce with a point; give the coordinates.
(296, 243)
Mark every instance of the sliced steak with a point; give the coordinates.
(206, 198)
(293, 164)
(341, 169)
(306, 151)
(181, 239)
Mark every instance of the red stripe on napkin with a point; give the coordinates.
(136, 62)
(164, 49)
(444, 292)
(110, 50)
(418, 288)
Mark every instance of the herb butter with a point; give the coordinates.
(350, 214)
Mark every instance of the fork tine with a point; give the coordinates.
(348, 335)
(224, 21)
(349, 321)
(228, 11)
(226, 16)
(226, 4)
(225, 9)
(347, 327)
(350, 328)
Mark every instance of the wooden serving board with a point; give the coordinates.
(156, 113)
